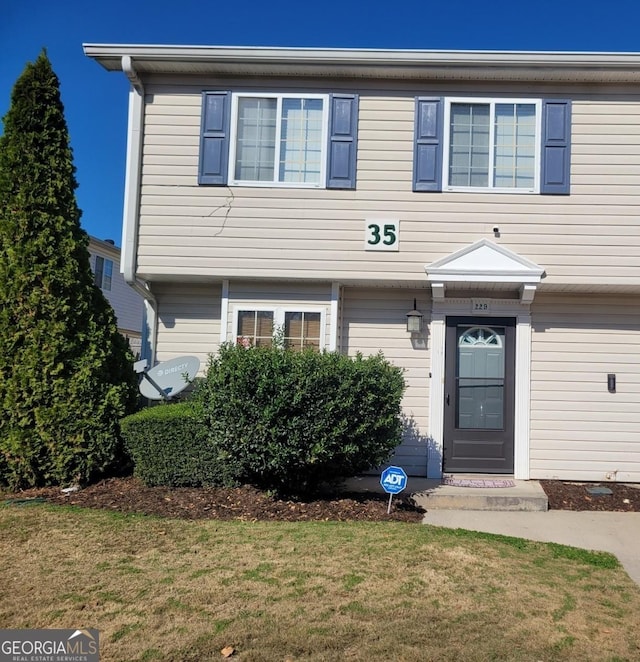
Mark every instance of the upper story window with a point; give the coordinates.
(494, 145)
(103, 273)
(278, 139)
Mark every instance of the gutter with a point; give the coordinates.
(131, 216)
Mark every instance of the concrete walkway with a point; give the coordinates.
(618, 533)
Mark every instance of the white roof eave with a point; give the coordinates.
(333, 62)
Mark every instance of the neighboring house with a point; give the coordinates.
(324, 191)
(127, 304)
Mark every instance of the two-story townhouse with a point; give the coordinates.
(127, 304)
(494, 196)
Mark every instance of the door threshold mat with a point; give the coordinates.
(478, 482)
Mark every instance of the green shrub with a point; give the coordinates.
(169, 446)
(292, 420)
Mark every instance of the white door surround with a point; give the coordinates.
(482, 263)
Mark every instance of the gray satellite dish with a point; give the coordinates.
(169, 378)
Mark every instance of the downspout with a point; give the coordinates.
(131, 215)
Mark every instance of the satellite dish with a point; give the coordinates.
(169, 378)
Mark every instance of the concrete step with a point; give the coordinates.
(526, 495)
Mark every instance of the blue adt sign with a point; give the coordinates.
(393, 480)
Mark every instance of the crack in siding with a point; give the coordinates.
(227, 205)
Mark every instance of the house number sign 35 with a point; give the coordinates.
(382, 235)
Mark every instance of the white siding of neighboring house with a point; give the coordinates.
(588, 238)
(125, 301)
(579, 430)
(374, 320)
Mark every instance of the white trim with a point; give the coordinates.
(333, 319)
(436, 399)
(224, 312)
(522, 422)
(522, 405)
(322, 180)
(491, 102)
(278, 316)
(483, 262)
(135, 126)
(402, 64)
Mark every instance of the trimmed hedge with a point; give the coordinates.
(292, 420)
(168, 444)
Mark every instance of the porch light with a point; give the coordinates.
(414, 320)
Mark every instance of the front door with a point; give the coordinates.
(479, 395)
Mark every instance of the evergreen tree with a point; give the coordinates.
(66, 376)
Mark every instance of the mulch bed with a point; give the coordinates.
(575, 496)
(129, 495)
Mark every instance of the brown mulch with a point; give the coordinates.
(576, 496)
(130, 495)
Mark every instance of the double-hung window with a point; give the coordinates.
(297, 140)
(278, 139)
(302, 328)
(492, 145)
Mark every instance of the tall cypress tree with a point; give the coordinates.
(65, 372)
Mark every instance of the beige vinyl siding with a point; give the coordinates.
(188, 321)
(586, 238)
(374, 320)
(289, 296)
(580, 431)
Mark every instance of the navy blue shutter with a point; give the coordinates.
(214, 138)
(556, 147)
(427, 154)
(343, 139)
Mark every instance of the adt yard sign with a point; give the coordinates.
(393, 480)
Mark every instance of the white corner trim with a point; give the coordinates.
(436, 399)
(224, 312)
(522, 422)
(334, 317)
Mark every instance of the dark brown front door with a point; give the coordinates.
(479, 394)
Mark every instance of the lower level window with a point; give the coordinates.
(255, 327)
(301, 329)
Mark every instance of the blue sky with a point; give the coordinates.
(96, 101)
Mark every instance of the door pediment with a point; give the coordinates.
(484, 262)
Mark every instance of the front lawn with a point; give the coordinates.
(162, 589)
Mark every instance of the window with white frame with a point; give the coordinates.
(301, 327)
(103, 273)
(255, 328)
(492, 144)
(279, 139)
(302, 330)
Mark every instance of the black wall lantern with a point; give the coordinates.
(414, 320)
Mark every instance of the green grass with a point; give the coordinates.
(181, 590)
